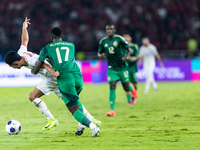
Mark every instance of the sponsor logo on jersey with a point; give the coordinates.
(132, 51)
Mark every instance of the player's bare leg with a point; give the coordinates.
(135, 85)
(36, 93)
(34, 97)
(112, 97)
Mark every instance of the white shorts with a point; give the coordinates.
(49, 85)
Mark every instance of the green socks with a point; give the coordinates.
(130, 87)
(80, 117)
(112, 97)
(80, 106)
(128, 97)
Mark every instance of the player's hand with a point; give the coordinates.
(56, 74)
(26, 23)
(102, 55)
(161, 64)
(124, 59)
(32, 71)
(140, 62)
(133, 58)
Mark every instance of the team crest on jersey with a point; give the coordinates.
(115, 43)
(106, 45)
(132, 51)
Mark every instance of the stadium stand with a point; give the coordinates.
(169, 24)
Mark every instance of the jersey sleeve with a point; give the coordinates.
(43, 54)
(22, 49)
(101, 47)
(136, 50)
(154, 50)
(134, 47)
(73, 48)
(124, 43)
(141, 51)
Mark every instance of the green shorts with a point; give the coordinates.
(132, 74)
(133, 77)
(122, 75)
(70, 85)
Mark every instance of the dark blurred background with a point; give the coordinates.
(173, 26)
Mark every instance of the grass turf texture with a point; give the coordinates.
(166, 119)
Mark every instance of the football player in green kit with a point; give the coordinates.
(61, 55)
(117, 51)
(132, 62)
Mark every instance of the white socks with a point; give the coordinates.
(43, 108)
(92, 126)
(88, 115)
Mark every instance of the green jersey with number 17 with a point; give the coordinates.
(114, 49)
(61, 55)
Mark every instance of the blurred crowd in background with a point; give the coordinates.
(170, 25)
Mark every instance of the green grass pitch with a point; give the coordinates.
(166, 119)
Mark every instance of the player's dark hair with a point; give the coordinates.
(126, 33)
(110, 25)
(11, 57)
(146, 37)
(57, 32)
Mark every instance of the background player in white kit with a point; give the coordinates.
(148, 53)
(48, 83)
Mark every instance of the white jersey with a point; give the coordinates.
(31, 59)
(148, 54)
(48, 83)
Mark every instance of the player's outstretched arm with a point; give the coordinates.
(101, 55)
(51, 70)
(25, 36)
(140, 61)
(159, 60)
(36, 69)
(135, 58)
(56, 74)
(127, 55)
(48, 68)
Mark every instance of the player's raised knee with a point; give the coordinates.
(32, 97)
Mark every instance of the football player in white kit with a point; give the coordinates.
(148, 53)
(48, 84)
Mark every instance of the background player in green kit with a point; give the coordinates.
(132, 62)
(117, 51)
(61, 55)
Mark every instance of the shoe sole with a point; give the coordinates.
(79, 133)
(110, 115)
(132, 103)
